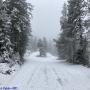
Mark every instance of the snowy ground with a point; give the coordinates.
(49, 74)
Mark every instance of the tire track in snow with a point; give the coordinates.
(58, 78)
(46, 75)
(35, 71)
(40, 73)
(43, 79)
(53, 79)
(63, 74)
(32, 75)
(22, 80)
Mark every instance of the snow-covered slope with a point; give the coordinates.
(47, 73)
(7, 74)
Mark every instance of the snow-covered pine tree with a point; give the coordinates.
(32, 45)
(87, 27)
(87, 16)
(75, 25)
(45, 45)
(61, 43)
(71, 43)
(51, 47)
(41, 48)
(1, 17)
(6, 50)
(20, 14)
(1, 3)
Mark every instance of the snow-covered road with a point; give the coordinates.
(51, 74)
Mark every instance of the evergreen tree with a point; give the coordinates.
(45, 44)
(1, 22)
(20, 14)
(87, 16)
(41, 47)
(61, 43)
(75, 14)
(87, 27)
(6, 50)
(51, 47)
(71, 42)
(34, 44)
(1, 3)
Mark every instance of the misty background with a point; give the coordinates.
(46, 18)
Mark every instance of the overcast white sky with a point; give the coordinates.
(46, 17)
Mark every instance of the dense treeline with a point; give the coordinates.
(15, 27)
(72, 43)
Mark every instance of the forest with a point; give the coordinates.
(73, 43)
(15, 28)
(29, 62)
